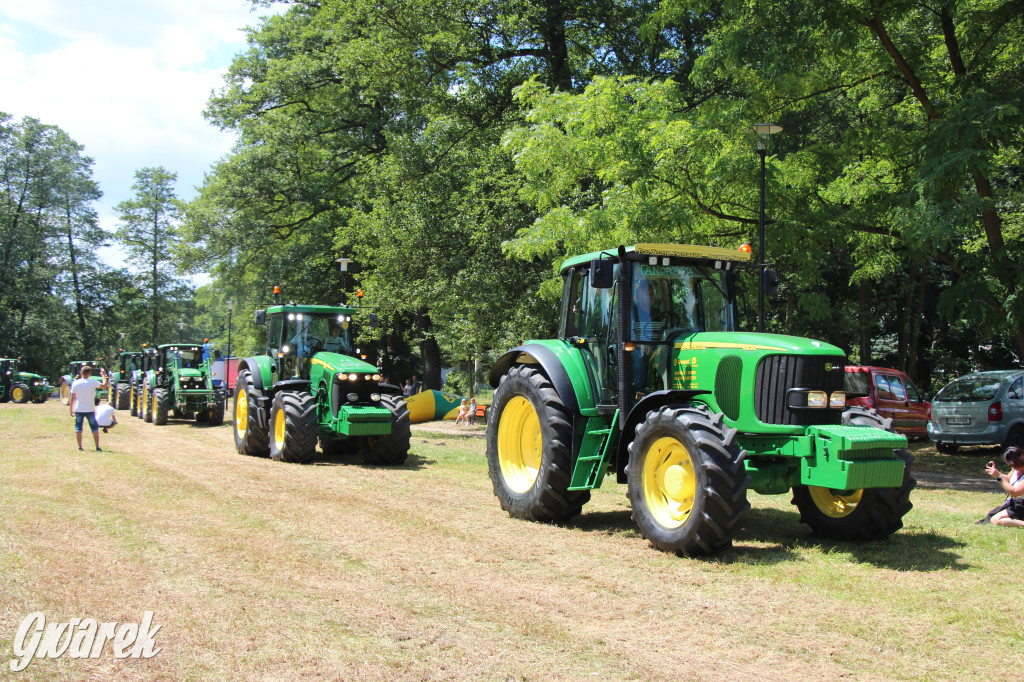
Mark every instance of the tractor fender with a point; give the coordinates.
(259, 367)
(649, 403)
(553, 368)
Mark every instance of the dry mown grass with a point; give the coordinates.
(257, 569)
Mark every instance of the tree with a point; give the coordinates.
(149, 231)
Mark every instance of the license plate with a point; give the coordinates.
(958, 420)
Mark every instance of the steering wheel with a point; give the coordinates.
(314, 343)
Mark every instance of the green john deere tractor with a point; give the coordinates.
(21, 387)
(121, 379)
(309, 386)
(74, 372)
(179, 382)
(139, 393)
(649, 380)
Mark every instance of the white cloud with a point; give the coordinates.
(127, 79)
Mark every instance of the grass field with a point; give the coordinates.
(262, 570)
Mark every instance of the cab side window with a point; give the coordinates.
(912, 392)
(882, 384)
(896, 386)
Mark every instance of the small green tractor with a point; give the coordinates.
(310, 387)
(121, 379)
(74, 372)
(21, 387)
(178, 382)
(650, 381)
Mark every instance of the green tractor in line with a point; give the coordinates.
(139, 394)
(75, 372)
(310, 387)
(178, 381)
(21, 387)
(650, 380)
(121, 379)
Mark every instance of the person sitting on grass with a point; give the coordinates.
(105, 417)
(1012, 511)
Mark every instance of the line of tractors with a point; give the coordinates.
(648, 380)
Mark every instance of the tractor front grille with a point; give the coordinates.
(777, 375)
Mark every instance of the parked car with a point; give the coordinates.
(892, 394)
(983, 408)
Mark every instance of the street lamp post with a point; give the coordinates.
(763, 130)
(343, 264)
(231, 306)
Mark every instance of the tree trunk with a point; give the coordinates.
(431, 363)
(864, 321)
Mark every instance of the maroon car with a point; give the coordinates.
(891, 393)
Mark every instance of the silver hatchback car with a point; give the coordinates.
(983, 408)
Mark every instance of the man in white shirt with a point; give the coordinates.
(83, 403)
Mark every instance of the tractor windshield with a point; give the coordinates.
(190, 357)
(307, 334)
(673, 299)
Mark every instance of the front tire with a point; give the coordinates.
(687, 482)
(123, 396)
(217, 412)
(65, 392)
(293, 427)
(250, 437)
(161, 406)
(529, 449)
(392, 449)
(148, 403)
(864, 514)
(20, 393)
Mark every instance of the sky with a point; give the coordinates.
(127, 79)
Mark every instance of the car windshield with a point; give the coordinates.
(856, 383)
(969, 389)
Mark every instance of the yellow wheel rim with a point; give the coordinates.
(241, 412)
(18, 394)
(835, 504)
(154, 403)
(669, 481)
(279, 428)
(64, 392)
(520, 445)
(145, 396)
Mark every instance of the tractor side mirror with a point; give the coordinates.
(601, 274)
(373, 320)
(261, 317)
(771, 282)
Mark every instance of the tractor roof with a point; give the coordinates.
(311, 309)
(686, 251)
(180, 346)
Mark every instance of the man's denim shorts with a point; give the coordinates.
(90, 416)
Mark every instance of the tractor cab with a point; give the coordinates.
(650, 297)
(296, 333)
(179, 356)
(128, 363)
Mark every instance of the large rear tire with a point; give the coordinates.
(392, 449)
(250, 437)
(161, 406)
(687, 483)
(529, 449)
(20, 393)
(293, 427)
(863, 514)
(65, 392)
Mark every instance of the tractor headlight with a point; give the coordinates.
(352, 397)
(816, 399)
(183, 380)
(375, 397)
(353, 377)
(837, 399)
(375, 377)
